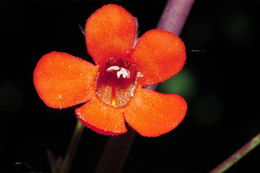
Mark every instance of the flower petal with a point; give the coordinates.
(158, 55)
(152, 114)
(110, 32)
(63, 80)
(102, 118)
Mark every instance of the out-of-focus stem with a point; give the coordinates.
(116, 152)
(239, 154)
(66, 164)
(117, 147)
(175, 15)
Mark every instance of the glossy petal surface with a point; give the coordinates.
(102, 118)
(153, 114)
(63, 80)
(158, 55)
(110, 32)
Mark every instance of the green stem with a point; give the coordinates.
(66, 164)
(240, 153)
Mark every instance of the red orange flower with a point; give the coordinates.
(113, 89)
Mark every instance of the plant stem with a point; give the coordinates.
(115, 153)
(52, 161)
(66, 164)
(240, 153)
(175, 15)
(118, 147)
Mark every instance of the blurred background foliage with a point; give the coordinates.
(219, 82)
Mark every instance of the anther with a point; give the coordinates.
(112, 68)
(124, 72)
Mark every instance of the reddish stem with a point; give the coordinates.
(117, 147)
(175, 15)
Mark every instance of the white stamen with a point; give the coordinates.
(120, 71)
(112, 68)
(124, 72)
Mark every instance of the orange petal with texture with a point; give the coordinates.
(102, 118)
(152, 114)
(110, 32)
(63, 80)
(159, 55)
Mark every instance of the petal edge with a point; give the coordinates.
(62, 80)
(159, 55)
(102, 118)
(153, 114)
(110, 32)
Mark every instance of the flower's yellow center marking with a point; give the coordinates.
(113, 103)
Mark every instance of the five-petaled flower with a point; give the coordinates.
(113, 90)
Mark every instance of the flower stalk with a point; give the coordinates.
(63, 166)
(239, 154)
(115, 153)
(66, 164)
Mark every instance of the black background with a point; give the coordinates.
(221, 39)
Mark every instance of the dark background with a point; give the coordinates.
(219, 82)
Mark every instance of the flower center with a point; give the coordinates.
(116, 82)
